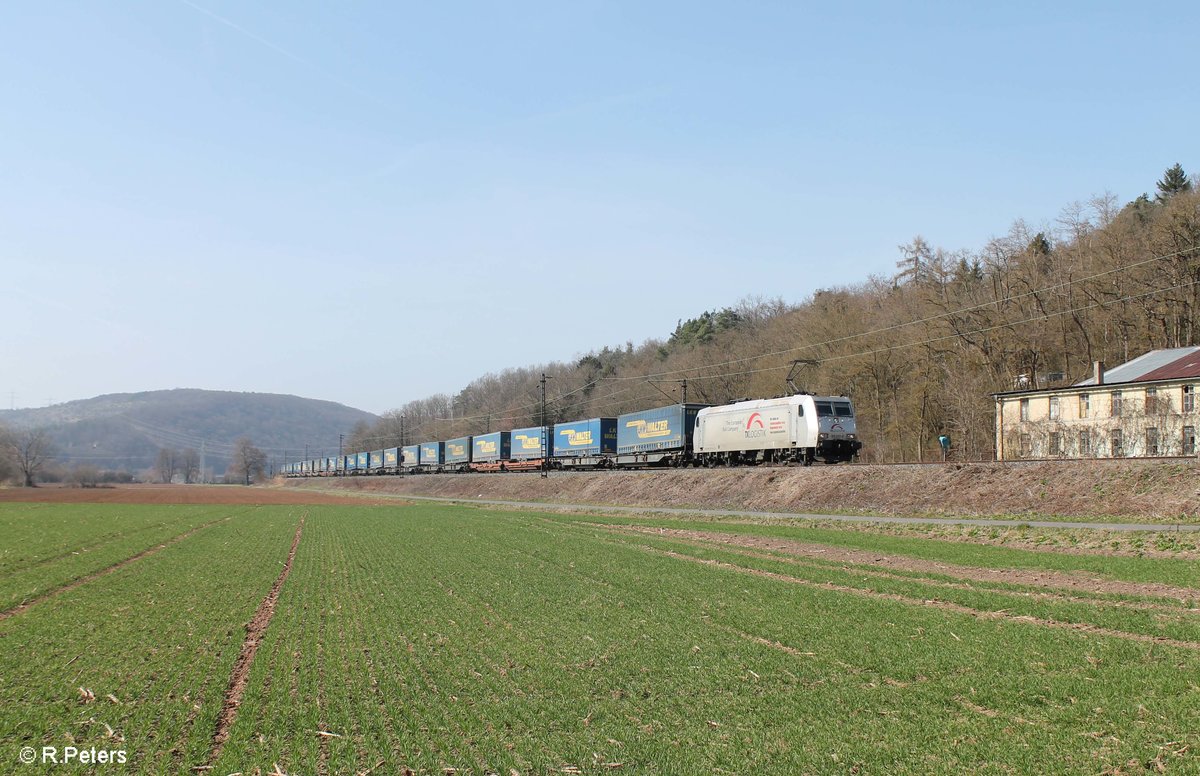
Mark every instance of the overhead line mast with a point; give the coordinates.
(545, 431)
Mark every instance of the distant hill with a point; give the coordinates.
(125, 431)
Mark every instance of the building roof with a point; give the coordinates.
(1169, 364)
(1187, 366)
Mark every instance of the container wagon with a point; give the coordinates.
(489, 452)
(410, 459)
(585, 443)
(658, 437)
(530, 446)
(391, 460)
(432, 456)
(458, 454)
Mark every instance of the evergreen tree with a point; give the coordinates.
(1174, 181)
(1039, 245)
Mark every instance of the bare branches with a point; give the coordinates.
(30, 451)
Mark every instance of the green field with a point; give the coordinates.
(452, 639)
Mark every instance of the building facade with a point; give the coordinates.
(1145, 408)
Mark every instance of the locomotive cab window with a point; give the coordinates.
(800, 410)
(824, 409)
(843, 409)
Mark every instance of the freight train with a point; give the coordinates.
(792, 429)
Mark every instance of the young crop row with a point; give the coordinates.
(48, 545)
(139, 659)
(440, 638)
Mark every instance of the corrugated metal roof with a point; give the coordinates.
(1154, 365)
(1188, 366)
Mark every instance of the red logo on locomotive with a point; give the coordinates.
(755, 418)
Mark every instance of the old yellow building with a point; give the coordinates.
(1143, 408)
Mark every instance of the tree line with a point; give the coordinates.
(28, 455)
(920, 351)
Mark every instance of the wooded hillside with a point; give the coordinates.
(920, 352)
(130, 431)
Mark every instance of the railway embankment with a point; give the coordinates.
(1154, 491)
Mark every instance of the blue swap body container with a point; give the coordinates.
(659, 429)
(433, 454)
(458, 452)
(489, 448)
(597, 436)
(527, 443)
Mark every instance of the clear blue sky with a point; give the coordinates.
(371, 202)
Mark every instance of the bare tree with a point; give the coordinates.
(31, 449)
(248, 460)
(189, 465)
(361, 437)
(7, 465)
(166, 464)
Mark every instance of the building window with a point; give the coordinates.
(1152, 441)
(1026, 445)
(1085, 402)
(1085, 443)
(1024, 409)
(1116, 405)
(1189, 440)
(1189, 398)
(1151, 401)
(1114, 442)
(1053, 408)
(1055, 443)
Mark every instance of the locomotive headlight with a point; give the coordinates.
(822, 437)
